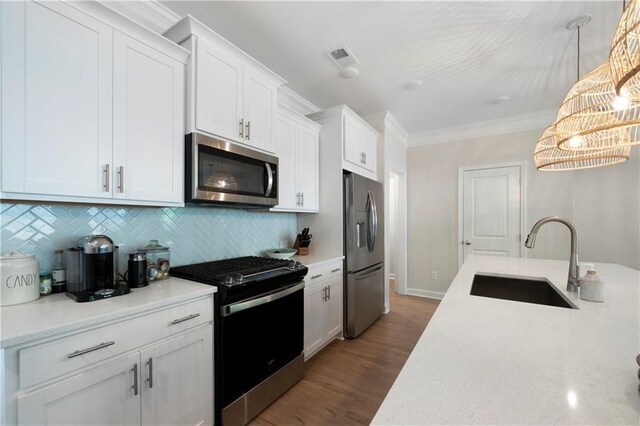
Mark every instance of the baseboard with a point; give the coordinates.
(425, 293)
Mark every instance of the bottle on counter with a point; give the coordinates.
(591, 286)
(58, 274)
(45, 283)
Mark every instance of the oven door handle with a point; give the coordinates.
(270, 179)
(252, 303)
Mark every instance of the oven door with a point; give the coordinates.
(258, 337)
(222, 172)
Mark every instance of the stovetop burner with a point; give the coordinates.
(243, 276)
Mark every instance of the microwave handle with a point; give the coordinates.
(270, 181)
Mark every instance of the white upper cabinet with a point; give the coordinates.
(360, 143)
(357, 140)
(148, 108)
(92, 107)
(297, 147)
(229, 94)
(56, 100)
(218, 99)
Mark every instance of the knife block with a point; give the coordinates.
(302, 251)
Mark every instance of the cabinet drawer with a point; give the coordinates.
(322, 273)
(57, 357)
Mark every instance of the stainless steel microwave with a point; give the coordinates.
(221, 172)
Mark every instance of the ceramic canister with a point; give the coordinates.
(20, 280)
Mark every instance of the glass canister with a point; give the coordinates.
(157, 260)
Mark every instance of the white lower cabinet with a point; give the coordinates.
(176, 380)
(104, 394)
(149, 370)
(323, 307)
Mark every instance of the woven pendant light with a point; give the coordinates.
(593, 117)
(624, 57)
(548, 157)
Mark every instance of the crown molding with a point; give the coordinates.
(386, 121)
(149, 13)
(478, 129)
(294, 101)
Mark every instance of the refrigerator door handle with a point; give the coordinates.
(372, 219)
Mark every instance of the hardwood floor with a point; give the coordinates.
(346, 382)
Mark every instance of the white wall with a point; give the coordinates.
(603, 203)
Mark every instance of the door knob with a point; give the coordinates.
(466, 243)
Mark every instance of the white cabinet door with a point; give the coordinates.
(177, 380)
(307, 165)
(352, 135)
(219, 98)
(284, 147)
(102, 395)
(260, 99)
(148, 123)
(314, 319)
(369, 148)
(334, 307)
(56, 100)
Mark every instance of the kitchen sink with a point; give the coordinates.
(519, 289)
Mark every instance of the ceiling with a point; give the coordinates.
(467, 53)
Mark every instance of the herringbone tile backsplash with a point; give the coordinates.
(194, 234)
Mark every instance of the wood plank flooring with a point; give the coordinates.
(346, 382)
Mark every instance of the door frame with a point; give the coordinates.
(401, 274)
(523, 201)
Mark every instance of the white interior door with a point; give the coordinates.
(492, 212)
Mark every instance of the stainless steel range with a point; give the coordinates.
(259, 328)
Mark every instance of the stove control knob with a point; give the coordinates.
(238, 277)
(228, 279)
(292, 264)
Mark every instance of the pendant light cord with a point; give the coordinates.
(578, 61)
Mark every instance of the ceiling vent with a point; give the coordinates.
(342, 57)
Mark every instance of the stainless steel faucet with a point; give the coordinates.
(573, 282)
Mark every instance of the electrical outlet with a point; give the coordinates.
(434, 275)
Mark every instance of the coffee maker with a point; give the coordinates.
(93, 270)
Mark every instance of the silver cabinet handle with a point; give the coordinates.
(150, 379)
(316, 276)
(365, 158)
(466, 243)
(324, 294)
(107, 172)
(302, 195)
(335, 270)
(248, 130)
(121, 178)
(297, 198)
(187, 318)
(135, 379)
(329, 292)
(241, 132)
(91, 349)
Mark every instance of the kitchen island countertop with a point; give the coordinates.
(491, 361)
(56, 313)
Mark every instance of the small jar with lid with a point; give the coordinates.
(158, 260)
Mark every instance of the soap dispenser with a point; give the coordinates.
(591, 286)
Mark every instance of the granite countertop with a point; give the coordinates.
(490, 361)
(56, 313)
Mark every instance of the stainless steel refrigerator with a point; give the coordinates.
(364, 249)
